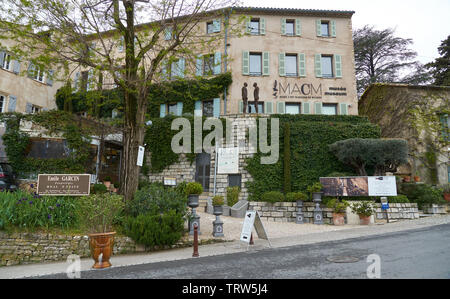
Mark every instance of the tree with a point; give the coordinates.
(440, 68)
(86, 35)
(382, 57)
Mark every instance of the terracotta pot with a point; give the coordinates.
(107, 184)
(364, 220)
(338, 219)
(416, 178)
(407, 179)
(447, 197)
(101, 243)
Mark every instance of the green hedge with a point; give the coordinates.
(310, 158)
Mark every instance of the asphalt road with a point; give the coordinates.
(422, 253)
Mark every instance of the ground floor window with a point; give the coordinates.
(2, 103)
(208, 108)
(329, 109)
(292, 108)
(252, 109)
(172, 109)
(234, 180)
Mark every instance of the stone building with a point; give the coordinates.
(419, 114)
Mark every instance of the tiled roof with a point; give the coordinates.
(293, 11)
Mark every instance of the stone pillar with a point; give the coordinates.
(299, 212)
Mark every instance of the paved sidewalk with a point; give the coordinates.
(302, 235)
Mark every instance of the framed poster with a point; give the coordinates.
(382, 186)
(359, 186)
(228, 160)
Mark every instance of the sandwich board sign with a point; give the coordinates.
(251, 220)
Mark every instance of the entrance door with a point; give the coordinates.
(203, 170)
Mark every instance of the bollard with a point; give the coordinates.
(195, 254)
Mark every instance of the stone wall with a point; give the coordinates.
(398, 211)
(287, 211)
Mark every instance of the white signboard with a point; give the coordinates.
(228, 160)
(248, 226)
(140, 159)
(382, 186)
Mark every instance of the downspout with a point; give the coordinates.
(227, 20)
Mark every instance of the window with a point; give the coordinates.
(325, 28)
(2, 103)
(234, 180)
(329, 109)
(445, 126)
(290, 27)
(172, 109)
(208, 108)
(251, 107)
(292, 108)
(208, 65)
(254, 27)
(210, 27)
(255, 64)
(36, 73)
(6, 61)
(327, 66)
(291, 65)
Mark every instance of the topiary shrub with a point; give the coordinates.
(193, 189)
(272, 197)
(233, 195)
(218, 200)
(398, 199)
(295, 196)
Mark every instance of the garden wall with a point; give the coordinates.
(398, 211)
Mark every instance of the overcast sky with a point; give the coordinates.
(426, 22)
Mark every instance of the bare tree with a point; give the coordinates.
(89, 34)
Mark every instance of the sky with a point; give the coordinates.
(427, 23)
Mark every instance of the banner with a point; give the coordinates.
(359, 186)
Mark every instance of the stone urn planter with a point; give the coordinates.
(339, 219)
(101, 243)
(193, 201)
(218, 210)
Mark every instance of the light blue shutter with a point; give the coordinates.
(121, 44)
(181, 67)
(216, 111)
(283, 26)
(16, 66)
(217, 63)
(198, 108)
(168, 33)
(319, 27)
(179, 108)
(76, 81)
(298, 27)
(281, 107)
(301, 65)
(306, 109)
(318, 65)
(162, 110)
(333, 28)
(266, 64)
(318, 108)
(29, 108)
(2, 58)
(343, 109)
(31, 69)
(268, 107)
(216, 25)
(338, 65)
(12, 103)
(241, 107)
(262, 26)
(50, 77)
(199, 66)
(281, 65)
(246, 63)
(248, 25)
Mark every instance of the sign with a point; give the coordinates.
(140, 158)
(228, 160)
(251, 220)
(382, 186)
(384, 204)
(359, 186)
(170, 181)
(64, 184)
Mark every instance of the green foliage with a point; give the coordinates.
(218, 200)
(314, 188)
(233, 195)
(363, 208)
(194, 189)
(272, 197)
(422, 194)
(337, 206)
(440, 68)
(398, 199)
(155, 230)
(156, 199)
(31, 211)
(107, 179)
(446, 188)
(382, 154)
(295, 196)
(287, 158)
(99, 189)
(310, 156)
(98, 212)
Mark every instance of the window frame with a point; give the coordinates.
(38, 73)
(290, 22)
(169, 105)
(331, 57)
(260, 105)
(255, 20)
(328, 24)
(204, 112)
(327, 105)
(208, 61)
(296, 74)
(35, 109)
(6, 59)
(3, 103)
(210, 25)
(255, 74)
(297, 104)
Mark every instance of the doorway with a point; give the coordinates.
(203, 170)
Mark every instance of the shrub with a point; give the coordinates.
(98, 212)
(107, 179)
(316, 187)
(337, 206)
(155, 200)
(272, 197)
(294, 196)
(422, 194)
(218, 200)
(233, 195)
(26, 210)
(446, 188)
(99, 189)
(155, 230)
(363, 208)
(194, 189)
(398, 199)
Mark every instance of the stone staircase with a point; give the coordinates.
(202, 201)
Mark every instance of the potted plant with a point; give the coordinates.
(218, 202)
(193, 190)
(416, 178)
(316, 191)
(446, 190)
(364, 209)
(339, 210)
(97, 214)
(407, 179)
(107, 182)
(115, 187)
(298, 197)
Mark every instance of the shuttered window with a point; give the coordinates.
(282, 64)
(246, 63)
(266, 64)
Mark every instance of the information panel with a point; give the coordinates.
(228, 160)
(359, 186)
(64, 184)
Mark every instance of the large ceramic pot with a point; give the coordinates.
(364, 220)
(218, 210)
(193, 200)
(101, 243)
(339, 219)
(447, 197)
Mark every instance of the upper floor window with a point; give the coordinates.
(208, 65)
(172, 109)
(208, 108)
(291, 65)
(2, 103)
(255, 64)
(290, 27)
(213, 26)
(327, 66)
(254, 27)
(5, 60)
(325, 28)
